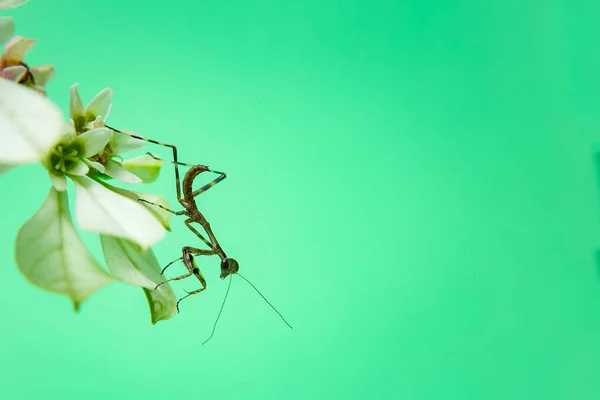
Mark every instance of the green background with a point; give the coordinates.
(412, 183)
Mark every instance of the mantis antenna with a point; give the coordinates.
(265, 299)
(220, 311)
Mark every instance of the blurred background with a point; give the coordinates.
(414, 184)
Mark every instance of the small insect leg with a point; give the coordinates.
(190, 294)
(169, 264)
(189, 262)
(161, 206)
(172, 147)
(174, 279)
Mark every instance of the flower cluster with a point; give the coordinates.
(49, 251)
(89, 147)
(12, 66)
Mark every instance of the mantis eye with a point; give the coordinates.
(229, 266)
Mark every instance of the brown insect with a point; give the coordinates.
(186, 196)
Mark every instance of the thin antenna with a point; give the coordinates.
(265, 299)
(220, 311)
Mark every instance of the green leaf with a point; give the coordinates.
(51, 255)
(133, 266)
(145, 167)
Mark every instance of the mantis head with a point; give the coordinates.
(229, 266)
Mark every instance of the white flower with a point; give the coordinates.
(70, 156)
(98, 208)
(31, 130)
(5, 4)
(7, 26)
(12, 66)
(94, 116)
(49, 251)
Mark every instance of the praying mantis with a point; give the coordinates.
(186, 196)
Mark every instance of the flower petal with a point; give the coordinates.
(51, 255)
(76, 105)
(96, 165)
(40, 89)
(7, 29)
(30, 124)
(99, 209)
(145, 167)
(125, 143)
(116, 171)
(6, 4)
(68, 134)
(96, 123)
(95, 140)
(128, 263)
(99, 104)
(42, 74)
(105, 116)
(14, 73)
(161, 213)
(79, 169)
(17, 48)
(58, 181)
